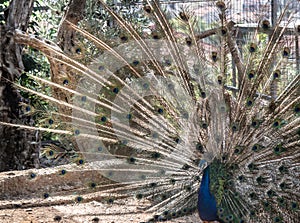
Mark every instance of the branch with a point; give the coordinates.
(234, 50)
(74, 14)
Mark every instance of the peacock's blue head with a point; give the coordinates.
(202, 164)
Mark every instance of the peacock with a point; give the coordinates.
(185, 115)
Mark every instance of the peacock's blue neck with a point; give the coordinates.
(207, 205)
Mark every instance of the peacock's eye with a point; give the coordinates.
(78, 199)
(214, 56)
(286, 52)
(177, 140)
(241, 178)
(135, 62)
(124, 142)
(203, 94)
(153, 184)
(183, 16)
(252, 48)
(65, 82)
(283, 185)
(186, 166)
(160, 111)
(276, 74)
(131, 160)
(124, 38)
(297, 109)
(223, 108)
(45, 195)
(188, 41)
(155, 135)
(294, 205)
(110, 201)
(237, 150)
(78, 50)
(129, 116)
(100, 148)
(223, 31)
(255, 123)
(115, 90)
(145, 85)
(166, 212)
(168, 62)
(254, 148)
(199, 147)
(259, 179)
(93, 185)
(220, 79)
(252, 166)
(163, 196)
(265, 24)
(204, 125)
(147, 9)
(80, 162)
(277, 219)
(270, 193)
(252, 213)
(249, 102)
(281, 200)
(171, 86)
(220, 5)
(32, 175)
(139, 196)
(156, 155)
(234, 127)
(57, 218)
(266, 204)
(252, 195)
(196, 69)
(220, 210)
(173, 181)
(143, 177)
(51, 153)
(188, 188)
(251, 75)
(155, 36)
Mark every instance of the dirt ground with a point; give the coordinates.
(80, 213)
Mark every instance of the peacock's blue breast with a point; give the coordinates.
(207, 205)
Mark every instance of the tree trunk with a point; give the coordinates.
(67, 41)
(66, 35)
(17, 147)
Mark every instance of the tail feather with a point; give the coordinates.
(147, 115)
